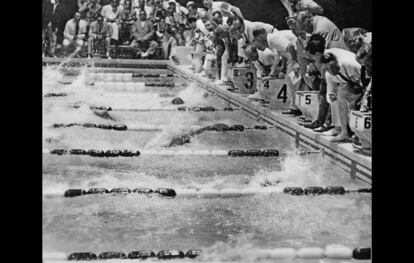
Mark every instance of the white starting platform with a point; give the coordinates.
(308, 103)
(210, 66)
(197, 59)
(244, 79)
(183, 54)
(275, 90)
(361, 124)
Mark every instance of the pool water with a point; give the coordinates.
(226, 229)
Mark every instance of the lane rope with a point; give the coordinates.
(329, 252)
(181, 108)
(122, 127)
(210, 192)
(132, 153)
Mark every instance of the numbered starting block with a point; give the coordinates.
(183, 54)
(308, 103)
(244, 79)
(275, 90)
(210, 66)
(361, 124)
(197, 61)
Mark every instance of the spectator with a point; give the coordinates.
(83, 8)
(159, 11)
(165, 40)
(93, 11)
(224, 7)
(99, 36)
(143, 5)
(48, 36)
(281, 43)
(74, 34)
(193, 10)
(111, 14)
(58, 24)
(127, 17)
(343, 78)
(143, 36)
(364, 57)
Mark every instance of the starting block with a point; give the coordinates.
(308, 103)
(275, 89)
(361, 124)
(210, 66)
(197, 61)
(244, 79)
(183, 54)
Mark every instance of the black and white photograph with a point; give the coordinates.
(206, 131)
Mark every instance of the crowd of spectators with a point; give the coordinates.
(313, 54)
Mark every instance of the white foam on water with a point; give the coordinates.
(192, 95)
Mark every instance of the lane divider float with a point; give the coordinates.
(181, 108)
(330, 252)
(131, 153)
(142, 75)
(227, 192)
(52, 94)
(122, 127)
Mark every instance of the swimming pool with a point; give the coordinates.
(224, 228)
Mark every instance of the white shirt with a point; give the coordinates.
(108, 13)
(279, 41)
(249, 27)
(266, 58)
(349, 67)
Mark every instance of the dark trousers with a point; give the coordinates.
(324, 113)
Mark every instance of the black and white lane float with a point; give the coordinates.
(338, 252)
(192, 192)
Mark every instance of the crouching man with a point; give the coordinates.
(99, 36)
(344, 90)
(74, 34)
(143, 33)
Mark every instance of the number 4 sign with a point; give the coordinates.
(276, 90)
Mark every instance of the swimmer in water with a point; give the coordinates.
(103, 114)
(186, 138)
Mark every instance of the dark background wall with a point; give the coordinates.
(344, 13)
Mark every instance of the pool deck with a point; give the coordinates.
(359, 166)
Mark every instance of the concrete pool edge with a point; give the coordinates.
(342, 155)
